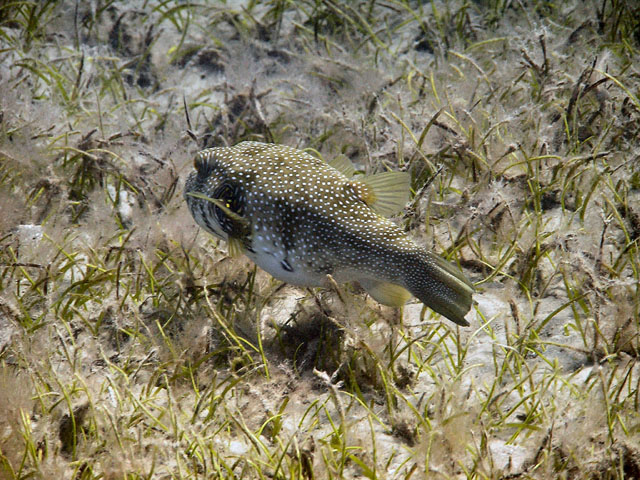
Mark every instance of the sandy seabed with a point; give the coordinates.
(132, 346)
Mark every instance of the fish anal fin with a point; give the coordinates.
(234, 247)
(386, 293)
(343, 165)
(390, 191)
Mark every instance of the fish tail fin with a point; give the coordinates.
(441, 287)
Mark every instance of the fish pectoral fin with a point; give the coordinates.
(386, 293)
(343, 165)
(390, 192)
(235, 248)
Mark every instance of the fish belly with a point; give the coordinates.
(281, 264)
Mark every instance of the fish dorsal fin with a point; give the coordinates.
(386, 293)
(387, 193)
(343, 165)
(234, 247)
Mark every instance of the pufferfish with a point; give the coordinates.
(301, 219)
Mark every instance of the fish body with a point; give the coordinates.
(300, 219)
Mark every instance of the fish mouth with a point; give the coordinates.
(190, 186)
(200, 212)
(200, 208)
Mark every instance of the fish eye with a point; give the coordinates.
(197, 162)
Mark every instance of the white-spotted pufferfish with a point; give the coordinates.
(301, 219)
